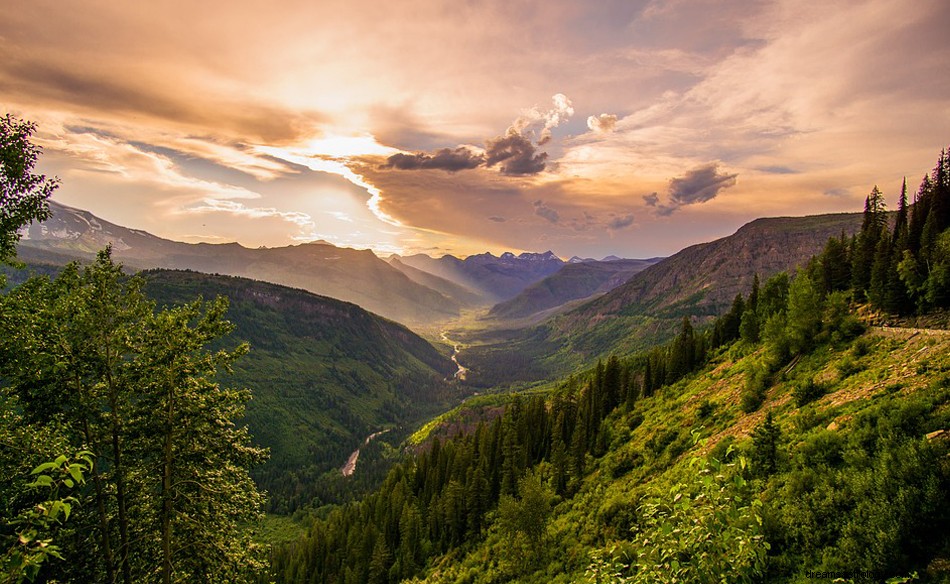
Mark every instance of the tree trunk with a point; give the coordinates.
(119, 476)
(101, 508)
(166, 515)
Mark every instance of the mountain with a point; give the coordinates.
(699, 281)
(495, 279)
(353, 275)
(464, 296)
(574, 281)
(324, 375)
(704, 278)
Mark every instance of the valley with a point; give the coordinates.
(362, 292)
(543, 418)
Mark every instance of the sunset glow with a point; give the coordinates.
(631, 128)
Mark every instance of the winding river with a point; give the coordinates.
(460, 374)
(350, 467)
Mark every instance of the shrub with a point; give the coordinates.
(706, 409)
(848, 367)
(807, 391)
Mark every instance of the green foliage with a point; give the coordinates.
(807, 391)
(764, 457)
(23, 195)
(33, 542)
(523, 521)
(170, 480)
(758, 380)
(709, 530)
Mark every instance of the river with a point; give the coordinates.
(350, 467)
(456, 348)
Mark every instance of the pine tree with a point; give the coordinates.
(765, 441)
(899, 241)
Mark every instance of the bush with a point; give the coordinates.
(757, 382)
(807, 391)
(848, 367)
(705, 410)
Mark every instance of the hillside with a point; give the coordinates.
(347, 274)
(706, 277)
(699, 281)
(574, 281)
(324, 374)
(683, 485)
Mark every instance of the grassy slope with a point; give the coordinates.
(882, 372)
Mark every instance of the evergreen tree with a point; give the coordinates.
(875, 221)
(900, 236)
(765, 442)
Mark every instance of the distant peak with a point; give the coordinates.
(548, 255)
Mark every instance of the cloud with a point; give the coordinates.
(602, 124)
(514, 154)
(652, 199)
(536, 121)
(777, 169)
(497, 219)
(450, 160)
(620, 222)
(839, 192)
(542, 210)
(699, 185)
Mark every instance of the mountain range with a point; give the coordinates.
(492, 278)
(417, 290)
(353, 275)
(575, 281)
(699, 281)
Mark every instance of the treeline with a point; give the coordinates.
(902, 268)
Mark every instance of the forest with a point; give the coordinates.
(791, 436)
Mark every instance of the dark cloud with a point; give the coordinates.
(777, 170)
(497, 219)
(837, 193)
(542, 210)
(620, 222)
(446, 159)
(699, 185)
(514, 154)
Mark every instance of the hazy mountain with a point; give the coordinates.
(464, 296)
(348, 274)
(495, 279)
(572, 282)
(324, 374)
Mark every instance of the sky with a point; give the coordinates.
(628, 127)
